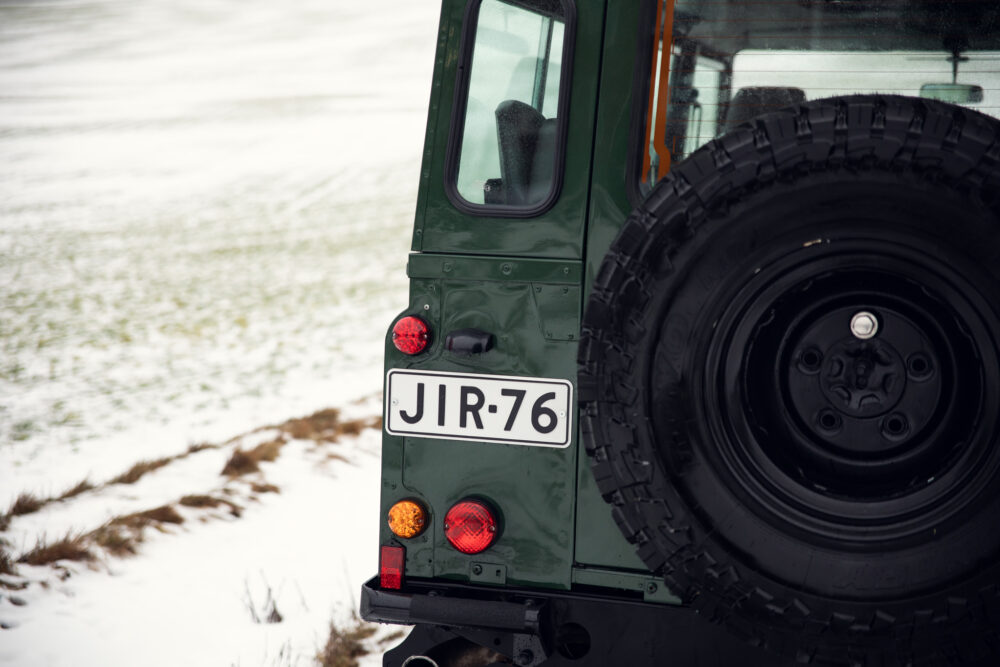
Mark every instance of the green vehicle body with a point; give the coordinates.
(523, 276)
(524, 280)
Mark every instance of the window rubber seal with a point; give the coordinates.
(640, 99)
(458, 108)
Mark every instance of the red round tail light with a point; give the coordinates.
(470, 526)
(410, 335)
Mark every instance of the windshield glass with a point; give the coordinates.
(716, 64)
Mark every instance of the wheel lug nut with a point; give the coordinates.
(919, 366)
(895, 426)
(864, 325)
(810, 360)
(829, 421)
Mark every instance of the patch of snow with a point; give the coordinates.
(205, 211)
(187, 597)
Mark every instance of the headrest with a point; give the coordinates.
(748, 103)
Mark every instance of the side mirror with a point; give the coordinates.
(956, 93)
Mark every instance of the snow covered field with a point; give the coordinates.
(204, 217)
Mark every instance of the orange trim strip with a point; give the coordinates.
(646, 161)
(660, 139)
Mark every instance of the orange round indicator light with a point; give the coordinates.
(470, 526)
(407, 519)
(410, 335)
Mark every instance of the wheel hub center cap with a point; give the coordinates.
(862, 397)
(863, 378)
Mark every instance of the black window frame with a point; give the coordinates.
(642, 77)
(460, 103)
(640, 99)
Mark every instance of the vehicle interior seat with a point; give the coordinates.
(527, 143)
(752, 101)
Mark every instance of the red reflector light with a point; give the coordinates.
(470, 526)
(390, 567)
(410, 335)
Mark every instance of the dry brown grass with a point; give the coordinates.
(210, 502)
(356, 426)
(26, 503)
(352, 427)
(6, 562)
(74, 491)
(345, 645)
(163, 514)
(392, 637)
(322, 425)
(122, 535)
(70, 547)
(243, 462)
(326, 426)
(136, 472)
(268, 612)
(268, 451)
(240, 463)
(117, 540)
(200, 501)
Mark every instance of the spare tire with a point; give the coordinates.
(789, 378)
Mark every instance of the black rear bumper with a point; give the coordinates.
(552, 628)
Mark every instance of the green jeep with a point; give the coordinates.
(701, 364)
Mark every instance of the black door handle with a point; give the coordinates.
(468, 341)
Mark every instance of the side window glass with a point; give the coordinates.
(510, 135)
(685, 116)
(703, 116)
(717, 64)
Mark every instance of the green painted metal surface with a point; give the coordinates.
(599, 541)
(609, 199)
(651, 587)
(532, 307)
(441, 228)
(523, 280)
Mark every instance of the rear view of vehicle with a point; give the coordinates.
(701, 364)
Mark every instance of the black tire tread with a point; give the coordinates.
(936, 141)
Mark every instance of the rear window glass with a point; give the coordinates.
(717, 64)
(509, 134)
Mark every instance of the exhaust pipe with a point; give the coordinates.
(419, 661)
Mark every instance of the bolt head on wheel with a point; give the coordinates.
(864, 325)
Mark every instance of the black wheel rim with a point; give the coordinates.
(856, 439)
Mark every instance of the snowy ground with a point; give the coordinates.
(199, 593)
(204, 218)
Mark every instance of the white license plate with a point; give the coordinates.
(466, 406)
